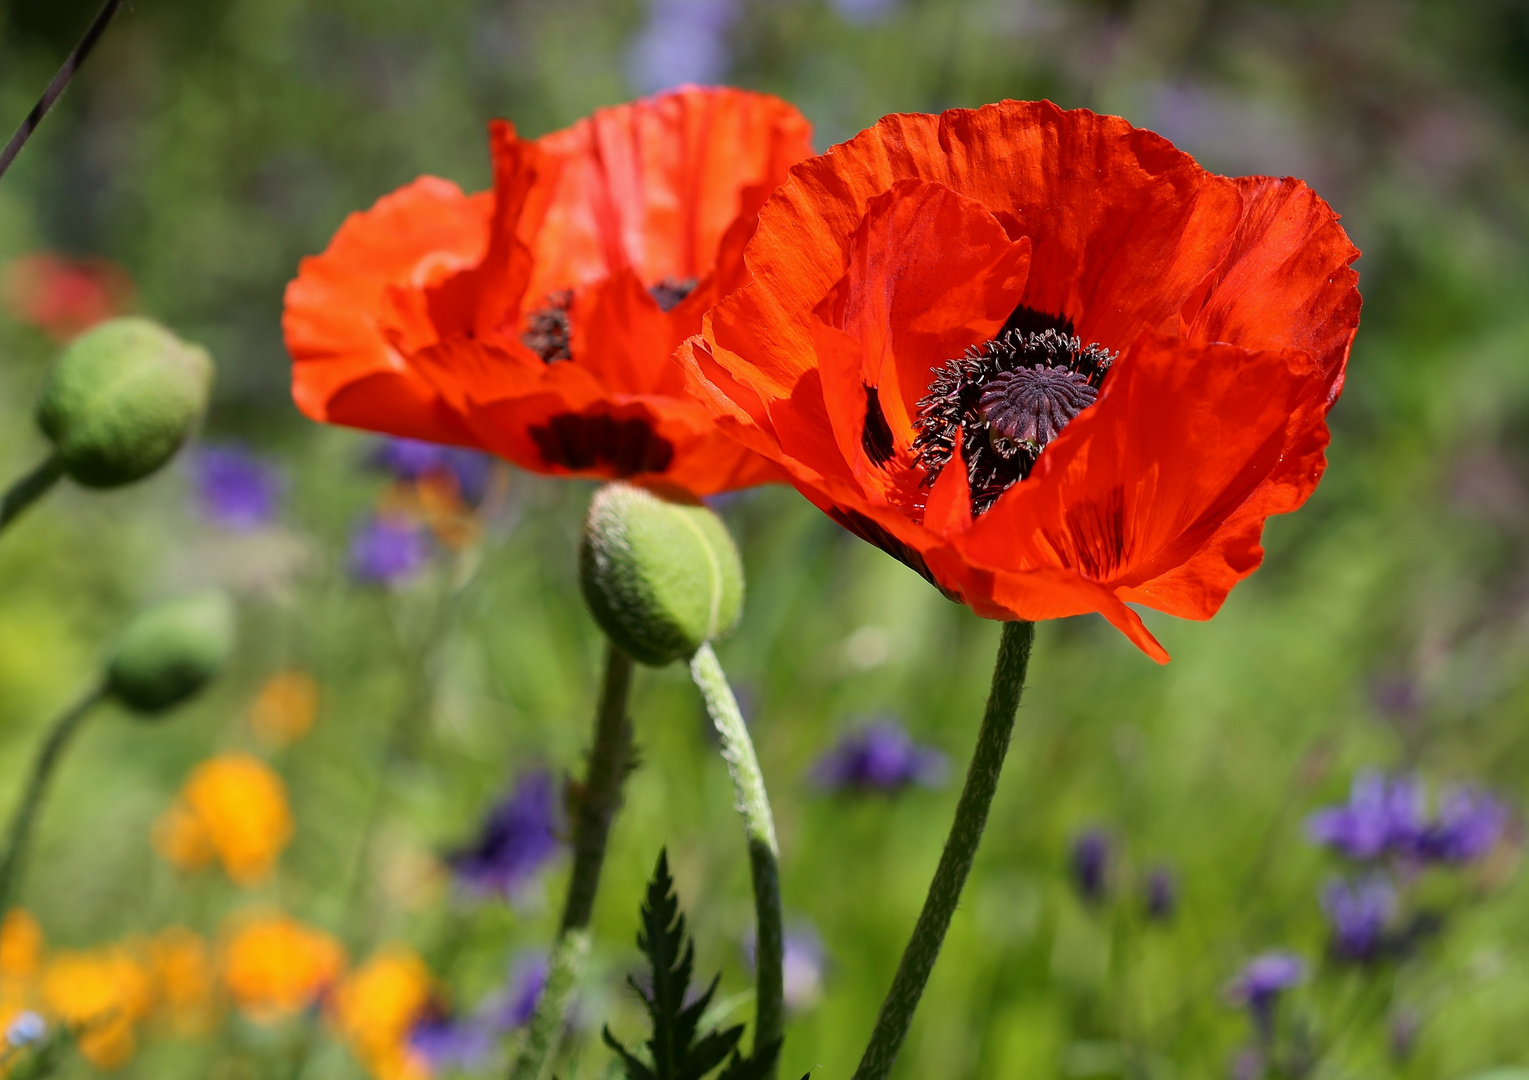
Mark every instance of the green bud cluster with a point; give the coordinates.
(661, 577)
(171, 651)
(121, 399)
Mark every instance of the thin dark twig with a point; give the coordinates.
(56, 87)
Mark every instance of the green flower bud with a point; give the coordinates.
(121, 400)
(169, 652)
(661, 578)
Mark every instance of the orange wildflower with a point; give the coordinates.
(21, 945)
(285, 708)
(183, 978)
(233, 807)
(377, 1007)
(103, 993)
(274, 966)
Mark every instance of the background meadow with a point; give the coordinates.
(209, 144)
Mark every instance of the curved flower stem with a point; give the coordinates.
(42, 770)
(956, 860)
(595, 804)
(764, 852)
(29, 488)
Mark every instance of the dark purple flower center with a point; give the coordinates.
(1006, 399)
(671, 290)
(547, 328)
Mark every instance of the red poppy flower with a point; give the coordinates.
(1040, 356)
(538, 321)
(64, 297)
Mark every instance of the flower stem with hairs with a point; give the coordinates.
(764, 853)
(956, 860)
(594, 806)
(62, 731)
(29, 488)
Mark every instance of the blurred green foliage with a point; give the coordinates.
(211, 143)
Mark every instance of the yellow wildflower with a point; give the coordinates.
(274, 966)
(103, 993)
(21, 945)
(234, 807)
(183, 977)
(377, 1006)
(285, 708)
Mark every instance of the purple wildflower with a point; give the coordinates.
(1468, 826)
(1383, 815)
(684, 41)
(1090, 862)
(1258, 985)
(1359, 913)
(804, 963)
(878, 757)
(517, 838)
(1162, 894)
(451, 1043)
(465, 1043)
(388, 550)
(235, 489)
(415, 459)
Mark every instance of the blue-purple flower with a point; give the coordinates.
(804, 964)
(1360, 914)
(1384, 815)
(415, 459)
(235, 489)
(518, 837)
(880, 756)
(1090, 864)
(1260, 983)
(685, 41)
(1387, 816)
(1161, 898)
(464, 1043)
(1468, 825)
(388, 549)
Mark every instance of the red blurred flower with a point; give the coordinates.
(906, 352)
(64, 297)
(538, 321)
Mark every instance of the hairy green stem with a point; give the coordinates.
(594, 806)
(764, 852)
(956, 860)
(62, 731)
(29, 488)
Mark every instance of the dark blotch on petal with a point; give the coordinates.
(1026, 320)
(877, 436)
(627, 447)
(670, 291)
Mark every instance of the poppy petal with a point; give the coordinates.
(340, 315)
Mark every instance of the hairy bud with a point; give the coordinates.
(661, 577)
(169, 652)
(121, 399)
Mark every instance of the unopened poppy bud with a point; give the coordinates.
(121, 399)
(168, 653)
(661, 577)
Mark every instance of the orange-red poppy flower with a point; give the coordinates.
(1040, 356)
(538, 321)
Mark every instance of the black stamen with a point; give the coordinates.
(876, 439)
(1008, 398)
(547, 328)
(671, 290)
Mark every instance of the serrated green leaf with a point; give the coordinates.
(677, 1051)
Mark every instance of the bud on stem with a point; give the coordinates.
(121, 399)
(661, 577)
